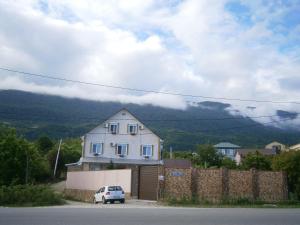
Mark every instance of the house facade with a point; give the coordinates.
(120, 140)
(276, 146)
(242, 153)
(227, 149)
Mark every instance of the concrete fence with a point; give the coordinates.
(82, 185)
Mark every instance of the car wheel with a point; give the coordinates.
(104, 200)
(94, 201)
(122, 201)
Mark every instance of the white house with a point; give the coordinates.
(227, 149)
(120, 139)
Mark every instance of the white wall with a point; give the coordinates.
(93, 180)
(101, 135)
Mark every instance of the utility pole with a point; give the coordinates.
(27, 168)
(171, 152)
(57, 156)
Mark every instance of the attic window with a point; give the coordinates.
(132, 128)
(123, 114)
(113, 128)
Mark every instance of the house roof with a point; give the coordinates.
(244, 152)
(178, 163)
(275, 143)
(295, 147)
(226, 145)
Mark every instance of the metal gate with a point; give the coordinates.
(148, 185)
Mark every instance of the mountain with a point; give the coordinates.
(34, 115)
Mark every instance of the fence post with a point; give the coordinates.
(225, 183)
(255, 185)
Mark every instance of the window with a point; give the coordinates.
(113, 128)
(147, 150)
(122, 149)
(132, 128)
(96, 148)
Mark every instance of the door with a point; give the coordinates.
(148, 184)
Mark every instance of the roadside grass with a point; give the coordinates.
(229, 203)
(29, 195)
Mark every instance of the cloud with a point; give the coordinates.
(227, 48)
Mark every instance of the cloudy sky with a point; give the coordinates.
(219, 48)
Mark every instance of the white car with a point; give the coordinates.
(109, 194)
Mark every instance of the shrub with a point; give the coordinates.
(29, 195)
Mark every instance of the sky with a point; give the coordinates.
(218, 48)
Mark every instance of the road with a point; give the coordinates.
(151, 215)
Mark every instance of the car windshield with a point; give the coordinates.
(114, 188)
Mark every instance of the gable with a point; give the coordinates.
(123, 116)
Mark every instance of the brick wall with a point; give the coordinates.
(178, 183)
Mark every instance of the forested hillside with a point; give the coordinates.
(35, 115)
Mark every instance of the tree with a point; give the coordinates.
(257, 161)
(228, 163)
(20, 162)
(208, 156)
(44, 144)
(290, 163)
(70, 152)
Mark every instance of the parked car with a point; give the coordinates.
(109, 194)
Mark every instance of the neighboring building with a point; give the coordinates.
(227, 149)
(278, 147)
(242, 153)
(121, 140)
(294, 147)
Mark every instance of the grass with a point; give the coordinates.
(29, 195)
(229, 203)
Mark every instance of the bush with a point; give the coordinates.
(289, 162)
(29, 195)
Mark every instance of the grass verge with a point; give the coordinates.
(29, 195)
(229, 203)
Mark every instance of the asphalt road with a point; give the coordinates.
(140, 216)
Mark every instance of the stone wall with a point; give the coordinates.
(240, 184)
(177, 183)
(80, 195)
(84, 195)
(215, 185)
(272, 186)
(208, 184)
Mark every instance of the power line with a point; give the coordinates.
(239, 127)
(208, 130)
(144, 90)
(145, 120)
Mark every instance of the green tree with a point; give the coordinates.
(290, 163)
(70, 152)
(256, 160)
(208, 156)
(20, 162)
(44, 144)
(228, 163)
